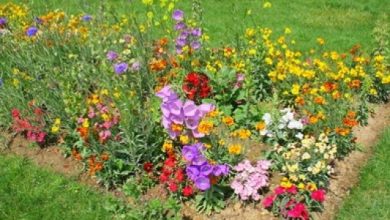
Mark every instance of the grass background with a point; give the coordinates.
(371, 198)
(342, 23)
(29, 192)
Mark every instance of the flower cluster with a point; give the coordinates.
(174, 177)
(188, 37)
(103, 117)
(32, 128)
(291, 201)
(199, 169)
(250, 179)
(196, 86)
(181, 117)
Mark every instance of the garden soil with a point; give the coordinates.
(346, 172)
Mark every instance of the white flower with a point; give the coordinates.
(267, 118)
(299, 136)
(294, 124)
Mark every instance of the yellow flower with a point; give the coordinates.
(250, 32)
(242, 133)
(207, 146)
(85, 123)
(167, 146)
(320, 41)
(184, 139)
(235, 149)
(55, 129)
(205, 127)
(267, 5)
(287, 30)
(373, 91)
(57, 121)
(147, 2)
(260, 126)
(295, 89)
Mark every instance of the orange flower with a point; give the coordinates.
(350, 122)
(306, 88)
(228, 120)
(83, 132)
(319, 100)
(105, 156)
(158, 65)
(355, 84)
(330, 86)
(76, 154)
(342, 131)
(336, 95)
(313, 119)
(260, 126)
(299, 100)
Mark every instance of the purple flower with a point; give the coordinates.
(120, 68)
(136, 66)
(196, 32)
(3, 21)
(220, 170)
(202, 183)
(87, 18)
(167, 94)
(192, 172)
(32, 31)
(181, 42)
(206, 169)
(189, 152)
(199, 160)
(111, 55)
(180, 26)
(178, 15)
(195, 45)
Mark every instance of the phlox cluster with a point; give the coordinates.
(250, 179)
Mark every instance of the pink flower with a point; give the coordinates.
(293, 190)
(268, 201)
(318, 195)
(279, 190)
(299, 211)
(15, 113)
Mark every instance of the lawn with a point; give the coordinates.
(342, 23)
(30, 192)
(371, 198)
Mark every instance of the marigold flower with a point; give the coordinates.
(235, 149)
(228, 120)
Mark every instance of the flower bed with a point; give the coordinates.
(140, 106)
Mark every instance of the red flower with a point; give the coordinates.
(172, 187)
(268, 201)
(187, 191)
(148, 167)
(15, 113)
(196, 86)
(163, 178)
(318, 195)
(179, 175)
(170, 162)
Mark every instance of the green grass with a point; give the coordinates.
(342, 23)
(28, 192)
(371, 198)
